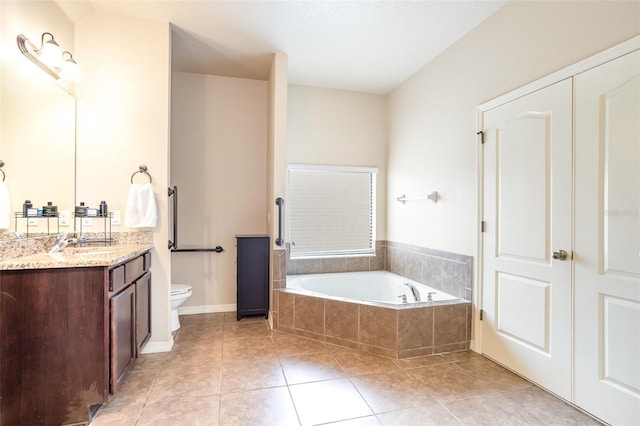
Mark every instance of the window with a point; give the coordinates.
(331, 210)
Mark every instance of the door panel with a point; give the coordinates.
(523, 310)
(527, 210)
(607, 240)
(523, 216)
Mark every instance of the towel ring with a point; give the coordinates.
(143, 169)
(2, 171)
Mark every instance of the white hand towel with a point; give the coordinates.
(5, 209)
(141, 211)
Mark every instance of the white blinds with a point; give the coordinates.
(331, 210)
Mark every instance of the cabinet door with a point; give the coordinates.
(123, 346)
(143, 311)
(253, 276)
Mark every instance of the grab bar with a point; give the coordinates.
(173, 245)
(279, 240)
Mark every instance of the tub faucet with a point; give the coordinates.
(414, 290)
(62, 242)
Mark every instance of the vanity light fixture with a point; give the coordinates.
(49, 57)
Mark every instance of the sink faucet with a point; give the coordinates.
(414, 290)
(62, 242)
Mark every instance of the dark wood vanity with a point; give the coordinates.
(67, 337)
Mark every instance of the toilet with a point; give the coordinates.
(179, 294)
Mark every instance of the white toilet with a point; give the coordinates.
(179, 294)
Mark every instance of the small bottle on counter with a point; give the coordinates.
(103, 209)
(50, 210)
(25, 208)
(81, 210)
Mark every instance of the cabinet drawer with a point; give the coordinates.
(134, 268)
(116, 279)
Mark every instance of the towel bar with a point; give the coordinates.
(433, 197)
(142, 169)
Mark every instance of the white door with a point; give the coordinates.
(526, 294)
(607, 241)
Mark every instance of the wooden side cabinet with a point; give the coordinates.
(252, 275)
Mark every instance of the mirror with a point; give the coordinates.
(37, 144)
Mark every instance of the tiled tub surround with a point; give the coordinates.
(395, 331)
(445, 271)
(338, 264)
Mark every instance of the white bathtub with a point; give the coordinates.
(372, 286)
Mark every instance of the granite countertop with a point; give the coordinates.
(77, 257)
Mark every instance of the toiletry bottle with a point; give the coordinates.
(103, 209)
(25, 208)
(50, 210)
(81, 210)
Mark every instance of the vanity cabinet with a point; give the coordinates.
(67, 336)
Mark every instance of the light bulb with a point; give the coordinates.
(70, 70)
(51, 54)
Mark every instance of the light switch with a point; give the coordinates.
(32, 221)
(87, 221)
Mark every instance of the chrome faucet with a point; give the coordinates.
(62, 242)
(414, 290)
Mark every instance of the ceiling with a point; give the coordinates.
(368, 46)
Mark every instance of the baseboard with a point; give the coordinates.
(206, 309)
(155, 347)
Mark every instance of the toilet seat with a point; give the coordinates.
(178, 289)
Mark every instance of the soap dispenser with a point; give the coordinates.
(25, 208)
(103, 209)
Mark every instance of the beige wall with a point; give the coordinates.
(339, 127)
(276, 162)
(219, 163)
(432, 116)
(123, 122)
(277, 140)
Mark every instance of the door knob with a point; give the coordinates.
(560, 254)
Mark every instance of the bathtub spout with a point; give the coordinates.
(414, 290)
(403, 297)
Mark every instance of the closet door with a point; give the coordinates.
(607, 240)
(527, 191)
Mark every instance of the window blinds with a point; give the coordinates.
(331, 210)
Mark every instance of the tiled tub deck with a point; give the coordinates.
(395, 331)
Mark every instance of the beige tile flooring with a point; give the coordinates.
(221, 372)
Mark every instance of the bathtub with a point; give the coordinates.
(372, 286)
(365, 311)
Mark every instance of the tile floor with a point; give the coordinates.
(221, 372)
